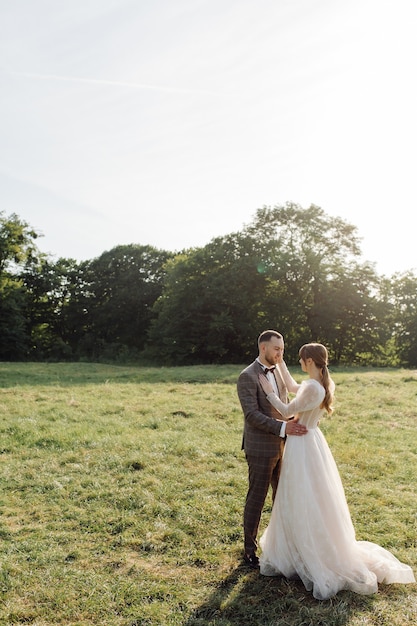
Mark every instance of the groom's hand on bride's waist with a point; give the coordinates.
(294, 428)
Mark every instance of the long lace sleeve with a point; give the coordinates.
(289, 381)
(309, 396)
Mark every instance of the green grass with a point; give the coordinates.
(122, 491)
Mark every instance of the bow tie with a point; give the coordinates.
(270, 369)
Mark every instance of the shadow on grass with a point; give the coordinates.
(244, 598)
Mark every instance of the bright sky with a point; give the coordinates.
(169, 122)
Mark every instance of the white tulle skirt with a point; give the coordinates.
(310, 534)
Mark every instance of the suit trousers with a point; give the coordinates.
(263, 473)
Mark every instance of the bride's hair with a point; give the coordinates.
(318, 353)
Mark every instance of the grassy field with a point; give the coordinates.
(122, 491)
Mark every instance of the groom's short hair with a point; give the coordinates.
(267, 335)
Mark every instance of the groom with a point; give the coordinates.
(264, 434)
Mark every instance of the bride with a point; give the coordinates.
(310, 534)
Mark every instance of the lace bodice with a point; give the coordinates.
(306, 404)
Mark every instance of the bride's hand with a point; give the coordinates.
(265, 384)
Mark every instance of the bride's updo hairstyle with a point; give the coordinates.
(318, 353)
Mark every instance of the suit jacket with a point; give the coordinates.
(262, 425)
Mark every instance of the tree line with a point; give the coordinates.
(293, 269)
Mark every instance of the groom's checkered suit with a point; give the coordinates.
(262, 444)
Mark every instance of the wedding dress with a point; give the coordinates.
(310, 534)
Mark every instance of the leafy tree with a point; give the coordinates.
(17, 245)
(17, 250)
(311, 261)
(404, 299)
(55, 307)
(292, 269)
(346, 315)
(211, 307)
(121, 287)
(15, 341)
